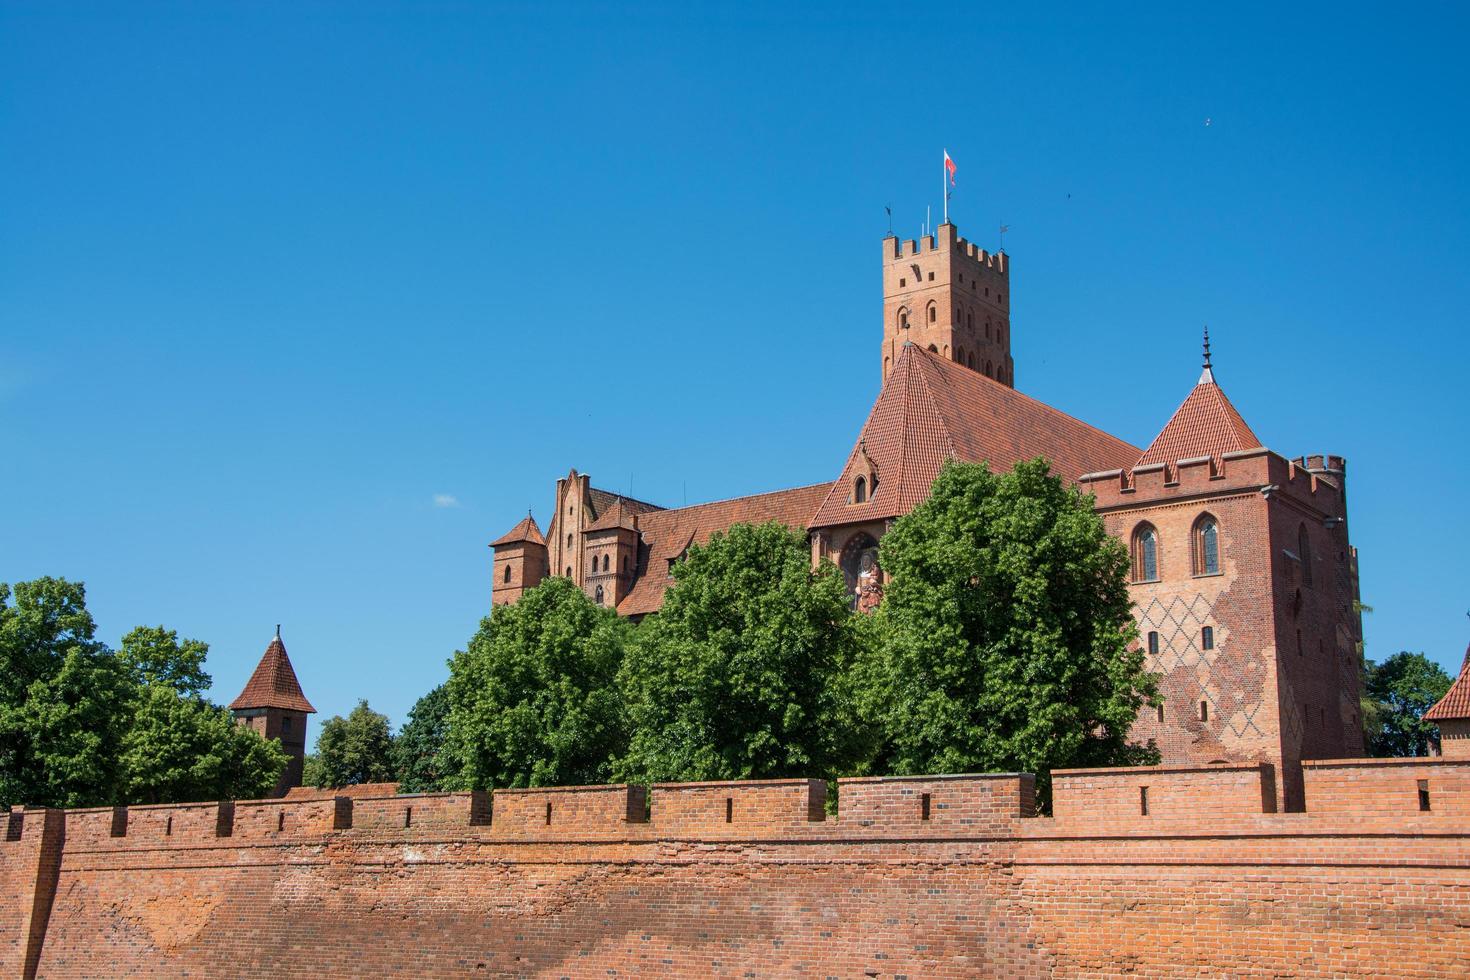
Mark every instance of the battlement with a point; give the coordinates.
(946, 240)
(1105, 798)
(1315, 478)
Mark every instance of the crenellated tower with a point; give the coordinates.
(950, 296)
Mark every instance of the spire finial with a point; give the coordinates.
(1207, 345)
(1207, 376)
(278, 631)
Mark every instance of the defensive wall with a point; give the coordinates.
(1158, 872)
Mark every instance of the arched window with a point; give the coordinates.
(569, 571)
(1145, 553)
(987, 328)
(989, 369)
(933, 349)
(625, 563)
(946, 350)
(507, 573)
(569, 540)
(887, 362)
(1304, 552)
(1206, 546)
(971, 364)
(970, 320)
(860, 490)
(903, 318)
(594, 564)
(597, 596)
(933, 313)
(605, 562)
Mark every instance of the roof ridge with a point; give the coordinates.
(924, 379)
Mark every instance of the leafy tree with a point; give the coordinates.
(355, 749)
(154, 655)
(1006, 633)
(742, 674)
(418, 751)
(1402, 688)
(533, 701)
(183, 749)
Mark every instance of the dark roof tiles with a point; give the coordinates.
(274, 683)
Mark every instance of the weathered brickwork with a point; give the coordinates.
(909, 877)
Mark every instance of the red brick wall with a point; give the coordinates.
(1210, 883)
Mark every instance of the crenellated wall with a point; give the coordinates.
(934, 876)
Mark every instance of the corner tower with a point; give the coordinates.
(951, 297)
(273, 705)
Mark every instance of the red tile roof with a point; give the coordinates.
(274, 683)
(1456, 701)
(1205, 425)
(667, 533)
(620, 514)
(526, 530)
(930, 409)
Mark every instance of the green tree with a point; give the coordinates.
(1401, 689)
(355, 749)
(533, 701)
(743, 673)
(418, 750)
(155, 655)
(1006, 633)
(183, 749)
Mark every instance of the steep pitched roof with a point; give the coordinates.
(930, 409)
(620, 514)
(667, 533)
(1456, 701)
(526, 531)
(601, 500)
(274, 683)
(1205, 425)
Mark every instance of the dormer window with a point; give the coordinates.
(860, 490)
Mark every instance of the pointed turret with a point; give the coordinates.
(1205, 425)
(273, 704)
(520, 561)
(1452, 715)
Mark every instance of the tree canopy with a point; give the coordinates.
(81, 725)
(533, 701)
(418, 749)
(1400, 690)
(352, 750)
(742, 673)
(1005, 638)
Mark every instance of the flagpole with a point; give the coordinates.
(944, 184)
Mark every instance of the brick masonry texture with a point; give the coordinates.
(909, 877)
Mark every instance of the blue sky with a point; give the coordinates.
(280, 281)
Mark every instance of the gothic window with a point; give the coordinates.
(933, 313)
(1206, 546)
(860, 491)
(989, 369)
(605, 560)
(569, 571)
(903, 318)
(933, 349)
(970, 320)
(594, 564)
(1304, 552)
(971, 360)
(569, 540)
(598, 595)
(1145, 554)
(507, 573)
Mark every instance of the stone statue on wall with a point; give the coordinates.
(870, 581)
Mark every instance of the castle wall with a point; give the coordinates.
(924, 876)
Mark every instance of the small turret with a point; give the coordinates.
(1452, 715)
(520, 562)
(272, 703)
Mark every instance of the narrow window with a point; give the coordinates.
(548, 813)
(931, 277)
(286, 724)
(408, 816)
(1153, 642)
(594, 564)
(902, 283)
(1207, 637)
(281, 820)
(507, 573)
(569, 540)
(970, 320)
(1143, 801)
(924, 807)
(860, 491)
(605, 561)
(1204, 711)
(1145, 554)
(1304, 550)
(625, 563)
(729, 809)
(569, 571)
(989, 369)
(168, 827)
(1206, 546)
(903, 319)
(933, 315)
(1160, 710)
(1424, 795)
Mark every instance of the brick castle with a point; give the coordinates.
(1244, 579)
(1236, 858)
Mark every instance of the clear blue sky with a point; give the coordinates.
(273, 276)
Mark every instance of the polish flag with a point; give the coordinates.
(949, 165)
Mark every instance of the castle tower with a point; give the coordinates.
(612, 554)
(273, 705)
(520, 562)
(1452, 715)
(945, 294)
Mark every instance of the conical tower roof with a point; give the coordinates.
(1455, 705)
(526, 530)
(274, 683)
(1205, 425)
